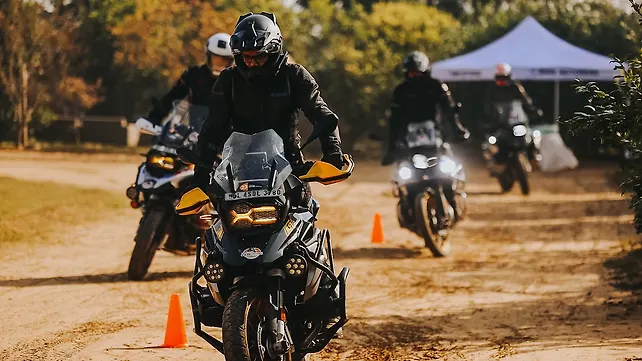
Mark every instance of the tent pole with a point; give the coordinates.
(556, 106)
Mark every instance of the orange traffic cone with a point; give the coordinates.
(175, 331)
(377, 229)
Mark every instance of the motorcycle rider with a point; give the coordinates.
(508, 92)
(506, 89)
(197, 81)
(262, 91)
(417, 99)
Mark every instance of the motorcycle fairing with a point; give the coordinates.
(172, 178)
(231, 247)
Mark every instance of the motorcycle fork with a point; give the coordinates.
(279, 339)
(442, 202)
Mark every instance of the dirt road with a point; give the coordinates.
(526, 281)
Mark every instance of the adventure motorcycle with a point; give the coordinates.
(269, 272)
(510, 147)
(162, 179)
(427, 176)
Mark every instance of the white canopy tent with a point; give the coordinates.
(534, 53)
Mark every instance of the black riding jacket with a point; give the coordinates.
(241, 106)
(417, 100)
(510, 92)
(196, 83)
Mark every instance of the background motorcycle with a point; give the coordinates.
(162, 179)
(506, 152)
(510, 146)
(424, 175)
(269, 272)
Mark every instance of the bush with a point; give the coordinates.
(616, 116)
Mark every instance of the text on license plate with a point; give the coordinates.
(253, 194)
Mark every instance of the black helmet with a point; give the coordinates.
(259, 33)
(416, 61)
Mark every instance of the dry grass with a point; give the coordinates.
(84, 148)
(31, 211)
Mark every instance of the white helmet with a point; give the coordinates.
(503, 70)
(219, 44)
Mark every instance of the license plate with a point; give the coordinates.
(253, 194)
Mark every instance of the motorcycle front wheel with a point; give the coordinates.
(521, 173)
(149, 236)
(426, 223)
(244, 321)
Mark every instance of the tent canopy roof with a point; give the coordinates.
(533, 52)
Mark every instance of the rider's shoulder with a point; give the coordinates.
(295, 69)
(228, 74)
(435, 83)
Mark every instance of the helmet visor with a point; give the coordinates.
(256, 40)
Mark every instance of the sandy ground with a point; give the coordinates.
(526, 281)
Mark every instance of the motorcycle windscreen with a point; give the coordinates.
(510, 113)
(423, 134)
(255, 162)
(176, 125)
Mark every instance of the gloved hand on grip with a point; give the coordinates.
(336, 159)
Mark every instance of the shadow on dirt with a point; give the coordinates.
(87, 279)
(627, 271)
(550, 324)
(378, 253)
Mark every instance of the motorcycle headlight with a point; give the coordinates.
(492, 140)
(447, 165)
(519, 130)
(163, 162)
(243, 215)
(404, 173)
(420, 161)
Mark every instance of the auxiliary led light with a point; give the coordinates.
(296, 266)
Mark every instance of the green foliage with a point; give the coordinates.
(595, 25)
(137, 48)
(616, 116)
(355, 55)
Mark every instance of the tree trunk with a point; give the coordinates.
(23, 131)
(17, 114)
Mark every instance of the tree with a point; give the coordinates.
(35, 48)
(356, 55)
(617, 116)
